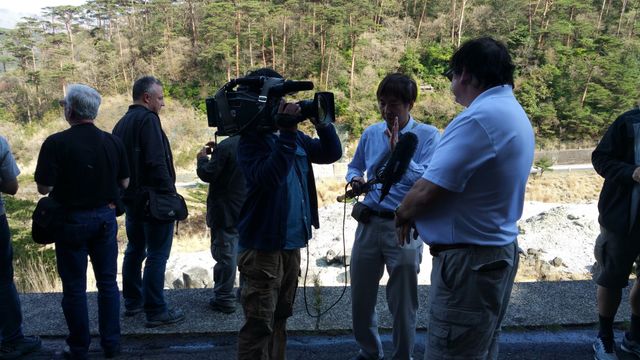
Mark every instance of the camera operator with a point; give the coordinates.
(275, 222)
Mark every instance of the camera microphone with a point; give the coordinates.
(398, 162)
(290, 86)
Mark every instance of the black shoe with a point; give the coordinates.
(112, 352)
(17, 348)
(230, 309)
(172, 316)
(66, 354)
(133, 311)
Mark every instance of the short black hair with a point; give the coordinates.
(486, 59)
(266, 72)
(143, 85)
(400, 86)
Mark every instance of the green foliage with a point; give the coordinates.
(576, 68)
(543, 164)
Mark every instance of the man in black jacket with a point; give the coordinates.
(224, 201)
(151, 166)
(617, 160)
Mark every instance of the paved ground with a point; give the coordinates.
(562, 315)
(561, 344)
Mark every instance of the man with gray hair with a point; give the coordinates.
(151, 166)
(83, 168)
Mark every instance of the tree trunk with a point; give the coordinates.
(284, 44)
(250, 46)
(323, 45)
(586, 86)
(273, 52)
(464, 3)
(264, 50)
(424, 8)
(454, 3)
(237, 44)
(624, 7)
(571, 15)
(600, 16)
(353, 58)
(544, 23)
(67, 25)
(192, 22)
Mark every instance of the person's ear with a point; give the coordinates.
(411, 105)
(465, 77)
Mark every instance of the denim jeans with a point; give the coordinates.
(224, 249)
(89, 232)
(150, 240)
(10, 313)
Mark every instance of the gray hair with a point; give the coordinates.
(83, 101)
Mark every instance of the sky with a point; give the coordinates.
(12, 10)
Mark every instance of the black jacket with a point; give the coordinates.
(141, 132)
(614, 159)
(226, 184)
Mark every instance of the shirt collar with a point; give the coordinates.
(496, 90)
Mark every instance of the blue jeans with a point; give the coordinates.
(224, 249)
(89, 232)
(10, 313)
(150, 240)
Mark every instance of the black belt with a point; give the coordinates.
(436, 249)
(383, 213)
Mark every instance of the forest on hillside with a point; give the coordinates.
(578, 61)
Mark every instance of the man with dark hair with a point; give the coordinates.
(225, 198)
(151, 166)
(275, 222)
(617, 160)
(83, 168)
(13, 342)
(467, 203)
(376, 245)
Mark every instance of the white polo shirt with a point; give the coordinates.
(484, 159)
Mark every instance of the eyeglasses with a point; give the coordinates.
(62, 102)
(449, 74)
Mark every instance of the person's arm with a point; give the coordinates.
(9, 186)
(8, 169)
(608, 158)
(422, 195)
(325, 149)
(208, 170)
(154, 161)
(44, 189)
(265, 166)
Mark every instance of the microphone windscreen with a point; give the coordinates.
(398, 162)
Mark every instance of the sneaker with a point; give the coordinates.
(17, 348)
(170, 317)
(604, 349)
(629, 345)
(133, 311)
(229, 309)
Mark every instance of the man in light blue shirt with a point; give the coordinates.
(467, 203)
(376, 245)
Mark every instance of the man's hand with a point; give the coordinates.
(356, 184)
(207, 149)
(403, 225)
(636, 175)
(288, 113)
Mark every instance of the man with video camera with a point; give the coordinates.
(275, 221)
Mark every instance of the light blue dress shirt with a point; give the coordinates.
(374, 147)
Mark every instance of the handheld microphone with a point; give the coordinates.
(364, 188)
(398, 162)
(290, 86)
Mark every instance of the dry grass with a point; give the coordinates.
(36, 273)
(564, 187)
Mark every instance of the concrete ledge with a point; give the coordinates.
(532, 305)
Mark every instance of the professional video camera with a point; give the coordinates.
(251, 103)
